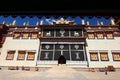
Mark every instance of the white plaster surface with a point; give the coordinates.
(103, 44)
(19, 44)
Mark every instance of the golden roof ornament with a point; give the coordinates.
(112, 22)
(3, 22)
(24, 24)
(101, 23)
(41, 22)
(88, 23)
(98, 23)
(83, 22)
(62, 21)
(27, 24)
(37, 23)
(14, 23)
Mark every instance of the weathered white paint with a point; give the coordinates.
(103, 44)
(19, 44)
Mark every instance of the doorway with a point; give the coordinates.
(61, 60)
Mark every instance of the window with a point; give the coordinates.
(21, 55)
(116, 56)
(91, 35)
(10, 55)
(16, 35)
(47, 52)
(34, 35)
(62, 32)
(93, 56)
(31, 55)
(75, 32)
(25, 35)
(104, 56)
(48, 33)
(109, 35)
(100, 35)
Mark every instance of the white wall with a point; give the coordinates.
(18, 44)
(0, 51)
(103, 44)
(33, 44)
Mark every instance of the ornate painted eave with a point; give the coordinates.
(34, 21)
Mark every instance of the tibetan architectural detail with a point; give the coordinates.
(77, 20)
(81, 42)
(62, 21)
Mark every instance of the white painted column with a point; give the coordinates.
(53, 51)
(110, 56)
(26, 54)
(15, 55)
(85, 54)
(70, 51)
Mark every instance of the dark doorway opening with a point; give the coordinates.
(61, 60)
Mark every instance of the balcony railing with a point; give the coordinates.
(67, 62)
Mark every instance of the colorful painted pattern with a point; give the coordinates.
(34, 20)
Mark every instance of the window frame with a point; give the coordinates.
(10, 53)
(108, 33)
(34, 52)
(106, 55)
(114, 56)
(96, 56)
(18, 37)
(25, 37)
(89, 33)
(99, 33)
(32, 35)
(21, 53)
